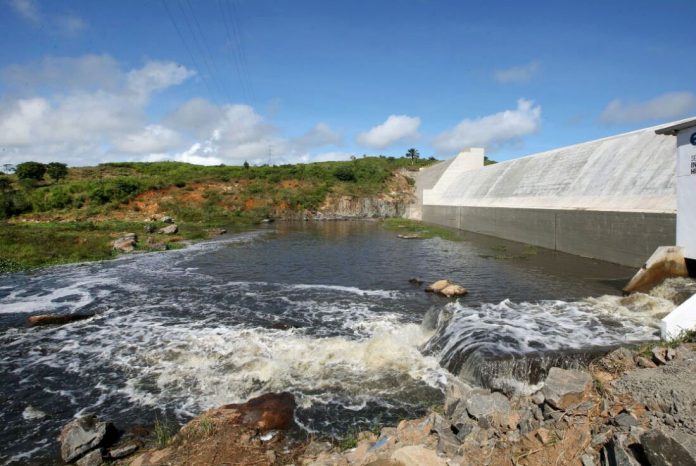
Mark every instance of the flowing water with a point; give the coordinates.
(324, 311)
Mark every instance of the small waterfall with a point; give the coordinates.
(510, 347)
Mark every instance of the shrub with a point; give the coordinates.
(345, 174)
(57, 170)
(30, 171)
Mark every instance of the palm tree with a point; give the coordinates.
(413, 154)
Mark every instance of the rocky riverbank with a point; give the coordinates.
(629, 407)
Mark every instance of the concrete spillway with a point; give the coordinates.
(612, 199)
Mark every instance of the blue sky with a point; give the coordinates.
(223, 81)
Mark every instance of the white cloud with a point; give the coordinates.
(662, 107)
(156, 76)
(318, 136)
(517, 74)
(61, 74)
(331, 156)
(152, 139)
(70, 25)
(491, 131)
(26, 9)
(231, 133)
(396, 128)
(82, 122)
(64, 24)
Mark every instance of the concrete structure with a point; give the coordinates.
(679, 320)
(612, 199)
(686, 183)
(684, 317)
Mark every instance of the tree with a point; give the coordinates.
(412, 154)
(57, 170)
(30, 171)
(246, 165)
(8, 168)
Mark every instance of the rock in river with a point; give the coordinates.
(55, 319)
(446, 288)
(80, 436)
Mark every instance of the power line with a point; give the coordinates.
(206, 47)
(234, 57)
(234, 14)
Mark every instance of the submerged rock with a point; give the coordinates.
(56, 319)
(80, 436)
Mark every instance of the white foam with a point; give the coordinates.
(31, 413)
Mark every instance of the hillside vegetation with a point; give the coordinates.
(73, 217)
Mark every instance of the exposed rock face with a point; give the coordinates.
(169, 230)
(564, 388)
(80, 436)
(55, 319)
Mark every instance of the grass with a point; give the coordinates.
(685, 336)
(350, 440)
(413, 227)
(26, 246)
(163, 432)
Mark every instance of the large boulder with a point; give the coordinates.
(673, 448)
(564, 388)
(492, 409)
(80, 436)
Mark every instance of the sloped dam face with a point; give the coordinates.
(324, 310)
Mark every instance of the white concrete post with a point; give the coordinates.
(684, 317)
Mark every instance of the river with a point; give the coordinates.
(323, 310)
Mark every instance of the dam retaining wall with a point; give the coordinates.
(612, 199)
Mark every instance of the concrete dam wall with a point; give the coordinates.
(612, 199)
